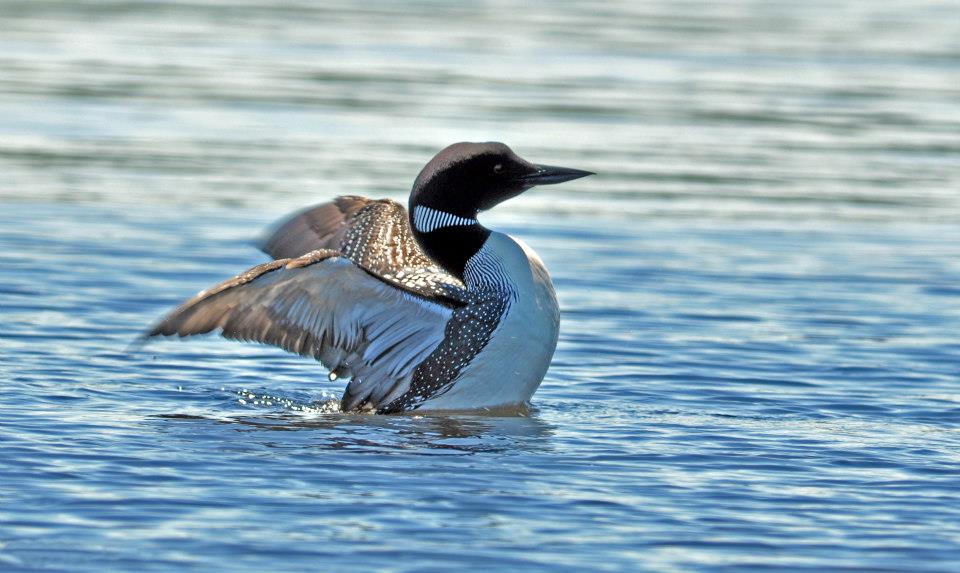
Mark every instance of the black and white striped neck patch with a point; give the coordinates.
(426, 219)
(485, 270)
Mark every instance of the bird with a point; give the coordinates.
(423, 308)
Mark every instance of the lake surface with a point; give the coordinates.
(759, 361)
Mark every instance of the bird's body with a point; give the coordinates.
(510, 367)
(426, 310)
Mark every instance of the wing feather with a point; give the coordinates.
(373, 233)
(322, 226)
(326, 307)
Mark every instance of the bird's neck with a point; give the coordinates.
(448, 238)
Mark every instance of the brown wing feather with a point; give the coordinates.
(322, 226)
(374, 233)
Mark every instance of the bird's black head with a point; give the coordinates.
(462, 180)
(467, 177)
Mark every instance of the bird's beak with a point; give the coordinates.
(548, 175)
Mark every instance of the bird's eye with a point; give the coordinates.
(498, 168)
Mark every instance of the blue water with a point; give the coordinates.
(759, 365)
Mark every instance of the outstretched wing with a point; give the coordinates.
(324, 306)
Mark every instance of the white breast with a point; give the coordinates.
(511, 366)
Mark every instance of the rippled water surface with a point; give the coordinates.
(758, 369)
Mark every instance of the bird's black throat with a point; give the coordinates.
(452, 247)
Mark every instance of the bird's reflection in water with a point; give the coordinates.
(462, 432)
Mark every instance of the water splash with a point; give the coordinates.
(327, 403)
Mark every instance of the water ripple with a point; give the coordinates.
(758, 365)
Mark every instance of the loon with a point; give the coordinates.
(424, 309)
